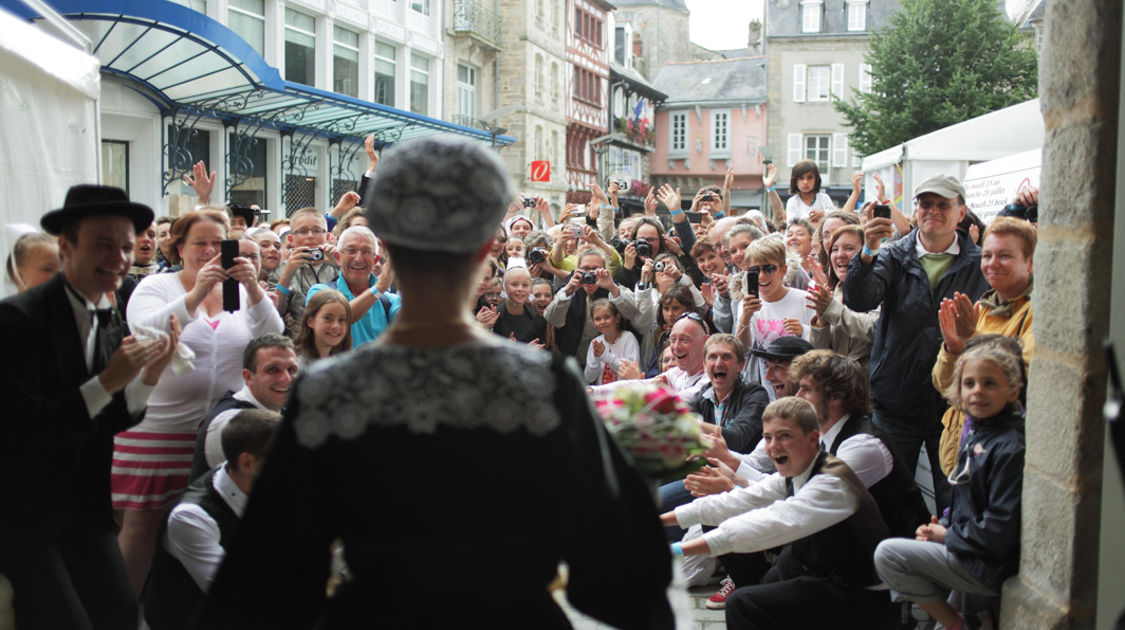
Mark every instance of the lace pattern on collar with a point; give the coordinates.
(500, 387)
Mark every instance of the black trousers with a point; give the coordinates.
(74, 580)
(808, 603)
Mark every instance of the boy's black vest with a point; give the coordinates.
(897, 495)
(199, 458)
(172, 597)
(843, 552)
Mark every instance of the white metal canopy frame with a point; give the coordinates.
(192, 67)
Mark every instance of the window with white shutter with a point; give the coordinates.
(799, 83)
(838, 80)
(840, 149)
(794, 149)
(864, 77)
(819, 79)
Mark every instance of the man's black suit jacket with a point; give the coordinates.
(54, 458)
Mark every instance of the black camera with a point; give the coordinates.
(1016, 211)
(537, 256)
(617, 243)
(529, 202)
(707, 197)
(644, 250)
(881, 211)
(659, 266)
(589, 277)
(316, 254)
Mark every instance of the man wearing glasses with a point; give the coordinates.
(910, 277)
(356, 253)
(310, 262)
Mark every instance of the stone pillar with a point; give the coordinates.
(1078, 87)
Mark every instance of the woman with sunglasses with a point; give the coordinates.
(772, 312)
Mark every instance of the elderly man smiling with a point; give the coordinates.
(356, 253)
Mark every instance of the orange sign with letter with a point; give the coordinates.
(540, 171)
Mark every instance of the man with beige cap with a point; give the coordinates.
(910, 277)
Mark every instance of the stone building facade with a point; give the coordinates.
(1072, 565)
(474, 37)
(815, 51)
(531, 95)
(587, 91)
(660, 32)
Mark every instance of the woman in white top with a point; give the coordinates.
(152, 460)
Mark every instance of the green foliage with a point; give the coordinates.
(937, 63)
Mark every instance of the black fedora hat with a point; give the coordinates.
(242, 211)
(87, 200)
(783, 349)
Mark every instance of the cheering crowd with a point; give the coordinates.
(822, 349)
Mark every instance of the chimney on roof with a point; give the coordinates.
(754, 41)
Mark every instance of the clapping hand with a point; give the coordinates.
(793, 326)
(599, 348)
(958, 320)
(818, 300)
(628, 370)
(487, 316)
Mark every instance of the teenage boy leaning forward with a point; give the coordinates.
(818, 511)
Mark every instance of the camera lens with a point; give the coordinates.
(589, 277)
(659, 266)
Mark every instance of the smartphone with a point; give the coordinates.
(881, 211)
(752, 282)
(579, 210)
(694, 217)
(228, 251)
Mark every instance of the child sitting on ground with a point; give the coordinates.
(976, 547)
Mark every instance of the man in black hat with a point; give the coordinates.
(72, 380)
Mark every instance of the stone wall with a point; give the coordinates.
(1078, 85)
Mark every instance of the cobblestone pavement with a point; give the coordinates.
(687, 604)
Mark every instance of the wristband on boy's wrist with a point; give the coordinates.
(719, 214)
(676, 212)
(677, 549)
(867, 252)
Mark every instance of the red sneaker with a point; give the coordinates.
(718, 601)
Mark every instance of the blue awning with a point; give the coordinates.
(186, 62)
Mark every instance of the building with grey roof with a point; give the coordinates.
(815, 51)
(714, 119)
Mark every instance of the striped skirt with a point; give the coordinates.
(150, 470)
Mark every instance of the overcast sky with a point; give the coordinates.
(722, 24)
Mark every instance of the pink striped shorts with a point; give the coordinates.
(150, 470)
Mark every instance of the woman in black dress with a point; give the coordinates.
(457, 468)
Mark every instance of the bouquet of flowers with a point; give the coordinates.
(655, 427)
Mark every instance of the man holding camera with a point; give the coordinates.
(910, 277)
(310, 262)
(569, 311)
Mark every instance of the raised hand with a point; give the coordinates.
(670, 197)
(372, 156)
(200, 182)
(650, 202)
(771, 175)
(818, 274)
(599, 348)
